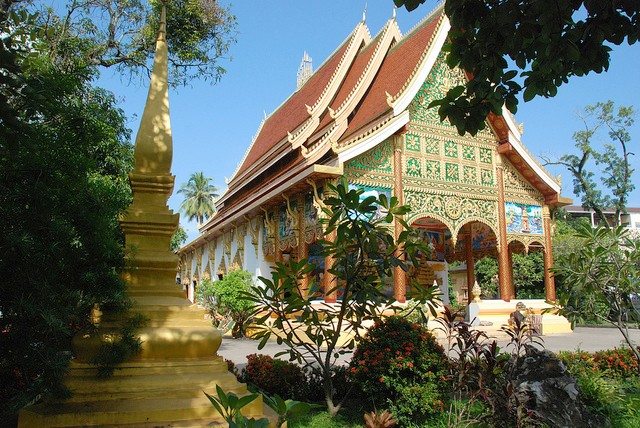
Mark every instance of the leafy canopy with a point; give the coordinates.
(122, 34)
(64, 159)
(603, 272)
(199, 197)
(602, 121)
(526, 47)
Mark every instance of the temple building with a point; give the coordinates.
(363, 115)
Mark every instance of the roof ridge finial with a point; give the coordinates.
(393, 14)
(364, 13)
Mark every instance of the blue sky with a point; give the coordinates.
(213, 125)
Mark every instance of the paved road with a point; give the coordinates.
(583, 338)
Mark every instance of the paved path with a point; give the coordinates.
(583, 338)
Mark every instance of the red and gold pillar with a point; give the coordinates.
(549, 280)
(505, 281)
(329, 280)
(399, 274)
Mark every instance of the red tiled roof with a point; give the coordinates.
(394, 72)
(293, 112)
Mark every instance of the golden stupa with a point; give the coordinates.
(163, 385)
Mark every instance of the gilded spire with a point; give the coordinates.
(154, 144)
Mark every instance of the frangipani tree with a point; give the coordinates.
(605, 271)
(365, 253)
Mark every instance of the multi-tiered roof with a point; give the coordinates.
(358, 97)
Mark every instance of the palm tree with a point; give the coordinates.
(199, 197)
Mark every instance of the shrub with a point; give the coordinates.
(615, 363)
(342, 383)
(275, 376)
(225, 299)
(401, 367)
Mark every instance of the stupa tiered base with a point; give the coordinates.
(163, 386)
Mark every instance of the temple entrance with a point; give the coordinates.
(451, 263)
(433, 267)
(527, 267)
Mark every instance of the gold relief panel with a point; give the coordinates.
(378, 160)
(453, 210)
(450, 188)
(517, 188)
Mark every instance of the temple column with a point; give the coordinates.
(549, 280)
(303, 248)
(505, 285)
(329, 280)
(399, 274)
(471, 274)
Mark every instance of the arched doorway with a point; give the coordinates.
(476, 244)
(527, 269)
(433, 267)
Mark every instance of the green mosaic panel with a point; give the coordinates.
(412, 142)
(432, 146)
(441, 78)
(468, 152)
(377, 160)
(486, 177)
(469, 174)
(451, 172)
(432, 168)
(485, 155)
(450, 149)
(413, 167)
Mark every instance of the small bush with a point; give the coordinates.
(342, 382)
(615, 363)
(225, 298)
(275, 376)
(399, 366)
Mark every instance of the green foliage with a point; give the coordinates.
(528, 47)
(275, 376)
(608, 381)
(228, 297)
(229, 405)
(287, 409)
(125, 345)
(613, 363)
(178, 239)
(528, 275)
(486, 270)
(323, 420)
(603, 121)
(401, 367)
(64, 159)
(122, 34)
(199, 197)
(604, 272)
(365, 254)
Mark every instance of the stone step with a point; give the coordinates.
(159, 385)
(146, 368)
(157, 411)
(151, 291)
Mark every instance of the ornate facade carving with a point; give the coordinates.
(452, 210)
(269, 230)
(517, 188)
(254, 231)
